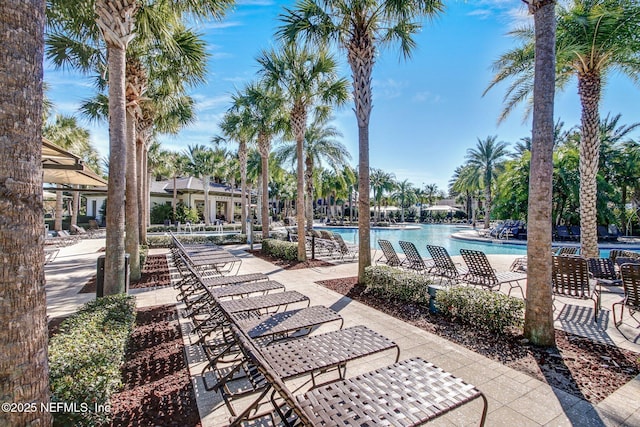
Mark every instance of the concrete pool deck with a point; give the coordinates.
(514, 397)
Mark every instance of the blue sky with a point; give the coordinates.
(428, 111)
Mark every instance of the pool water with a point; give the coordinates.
(432, 234)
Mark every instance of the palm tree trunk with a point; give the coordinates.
(539, 308)
(76, 206)
(114, 269)
(57, 223)
(242, 155)
(487, 208)
(308, 182)
(299, 124)
(141, 187)
(116, 22)
(23, 338)
(589, 87)
(132, 226)
(361, 57)
(174, 200)
(264, 148)
(207, 210)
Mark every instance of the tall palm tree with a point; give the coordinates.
(115, 22)
(381, 182)
(265, 115)
(486, 161)
(23, 319)
(538, 326)
(360, 28)
(236, 126)
(320, 147)
(307, 78)
(594, 38)
(202, 165)
(405, 195)
(466, 181)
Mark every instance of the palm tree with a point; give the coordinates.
(538, 326)
(265, 116)
(202, 165)
(381, 182)
(320, 147)
(360, 28)
(115, 21)
(626, 163)
(405, 195)
(23, 335)
(486, 162)
(465, 181)
(236, 125)
(307, 78)
(594, 38)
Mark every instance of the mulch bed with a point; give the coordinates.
(157, 386)
(579, 366)
(155, 273)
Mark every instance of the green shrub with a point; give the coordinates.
(144, 253)
(491, 311)
(280, 249)
(161, 212)
(389, 282)
(223, 239)
(85, 357)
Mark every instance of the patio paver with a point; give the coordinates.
(514, 397)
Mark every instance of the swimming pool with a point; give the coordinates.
(432, 234)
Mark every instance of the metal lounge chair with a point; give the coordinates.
(631, 283)
(407, 393)
(306, 356)
(389, 254)
(570, 278)
(604, 271)
(566, 250)
(50, 255)
(445, 268)
(344, 249)
(482, 274)
(414, 260)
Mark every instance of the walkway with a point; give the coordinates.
(514, 398)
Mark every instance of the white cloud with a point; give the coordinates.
(206, 103)
(426, 96)
(481, 13)
(389, 88)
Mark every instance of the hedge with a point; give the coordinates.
(481, 308)
(390, 282)
(280, 249)
(85, 357)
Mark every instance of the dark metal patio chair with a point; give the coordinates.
(445, 268)
(407, 393)
(389, 254)
(414, 260)
(631, 283)
(604, 271)
(570, 278)
(482, 274)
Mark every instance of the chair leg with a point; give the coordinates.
(613, 310)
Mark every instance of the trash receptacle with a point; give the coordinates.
(100, 275)
(433, 289)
